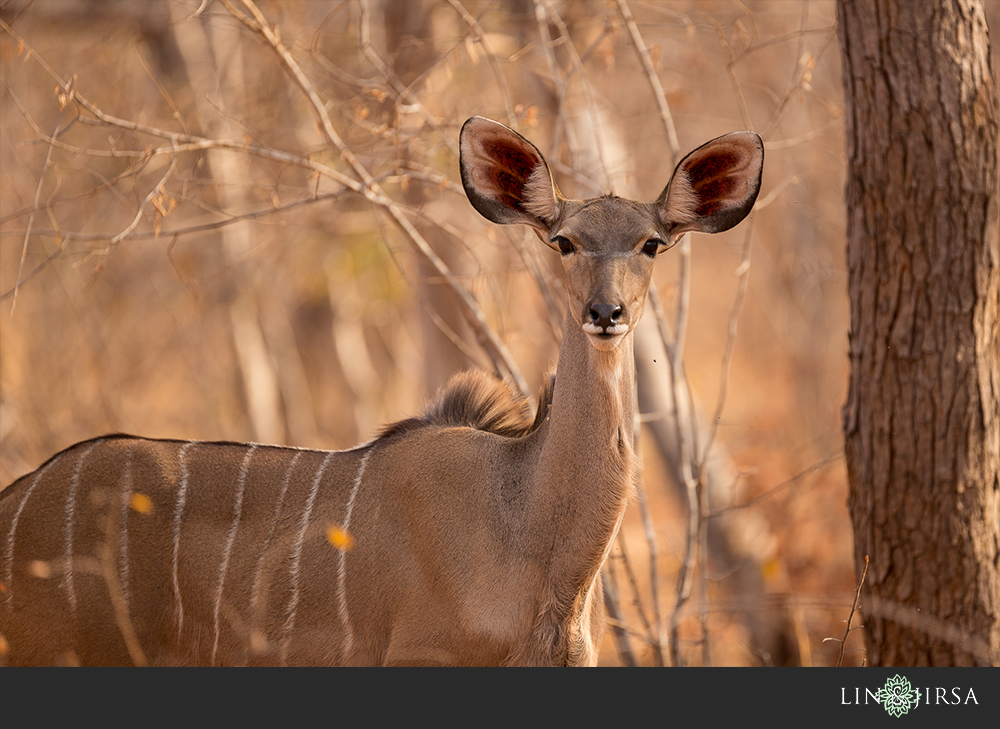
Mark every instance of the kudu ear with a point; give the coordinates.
(715, 186)
(505, 176)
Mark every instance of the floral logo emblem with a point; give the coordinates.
(897, 696)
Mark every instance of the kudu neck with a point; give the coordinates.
(595, 390)
(586, 464)
(585, 475)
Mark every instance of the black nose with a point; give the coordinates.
(605, 315)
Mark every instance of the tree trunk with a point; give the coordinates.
(922, 418)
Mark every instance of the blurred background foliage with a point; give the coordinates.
(175, 289)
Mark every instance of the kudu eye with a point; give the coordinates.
(563, 244)
(651, 247)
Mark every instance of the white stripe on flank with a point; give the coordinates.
(74, 484)
(258, 576)
(178, 513)
(9, 577)
(342, 570)
(123, 530)
(293, 601)
(237, 514)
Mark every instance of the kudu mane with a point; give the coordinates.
(478, 400)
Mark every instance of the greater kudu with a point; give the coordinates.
(470, 535)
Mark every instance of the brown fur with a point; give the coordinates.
(478, 400)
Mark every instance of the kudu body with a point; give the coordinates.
(470, 535)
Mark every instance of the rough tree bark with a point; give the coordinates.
(922, 418)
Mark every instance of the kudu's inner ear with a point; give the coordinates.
(505, 176)
(715, 186)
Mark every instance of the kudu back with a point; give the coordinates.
(472, 534)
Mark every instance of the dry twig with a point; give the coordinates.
(855, 606)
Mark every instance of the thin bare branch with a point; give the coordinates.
(854, 609)
(576, 68)
(821, 463)
(743, 271)
(657, 638)
(66, 237)
(616, 620)
(372, 191)
(63, 83)
(731, 70)
(157, 190)
(654, 79)
(491, 58)
(38, 194)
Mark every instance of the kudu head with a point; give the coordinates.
(608, 244)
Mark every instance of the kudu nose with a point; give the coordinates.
(605, 315)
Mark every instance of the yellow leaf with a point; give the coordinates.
(141, 503)
(157, 203)
(772, 570)
(340, 538)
